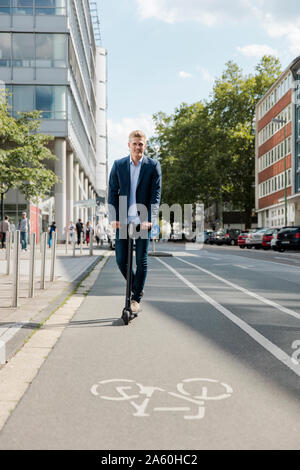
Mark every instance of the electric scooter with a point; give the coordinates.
(127, 314)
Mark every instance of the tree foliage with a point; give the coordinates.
(24, 154)
(207, 149)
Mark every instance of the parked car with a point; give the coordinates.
(219, 238)
(242, 239)
(255, 238)
(250, 243)
(288, 238)
(202, 237)
(231, 236)
(211, 238)
(268, 237)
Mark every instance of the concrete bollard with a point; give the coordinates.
(91, 242)
(32, 265)
(53, 256)
(67, 241)
(16, 270)
(2, 353)
(43, 259)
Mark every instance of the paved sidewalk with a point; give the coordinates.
(17, 324)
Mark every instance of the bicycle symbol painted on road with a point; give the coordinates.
(193, 392)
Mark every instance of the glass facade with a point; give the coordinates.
(50, 100)
(33, 7)
(5, 49)
(33, 50)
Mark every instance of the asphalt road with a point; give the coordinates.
(210, 363)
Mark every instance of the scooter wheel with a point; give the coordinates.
(126, 315)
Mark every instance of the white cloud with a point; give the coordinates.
(183, 74)
(205, 12)
(257, 50)
(118, 133)
(279, 19)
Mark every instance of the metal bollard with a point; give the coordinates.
(32, 266)
(81, 237)
(53, 256)
(67, 241)
(91, 242)
(43, 259)
(74, 248)
(16, 270)
(8, 253)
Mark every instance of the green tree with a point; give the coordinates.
(24, 155)
(233, 112)
(207, 149)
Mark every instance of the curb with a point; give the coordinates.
(17, 375)
(12, 345)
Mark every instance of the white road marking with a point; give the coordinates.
(246, 291)
(287, 259)
(243, 267)
(258, 337)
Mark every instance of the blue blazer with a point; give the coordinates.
(148, 190)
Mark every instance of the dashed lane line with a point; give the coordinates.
(254, 334)
(245, 291)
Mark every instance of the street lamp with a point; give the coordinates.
(284, 121)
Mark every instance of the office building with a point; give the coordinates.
(51, 60)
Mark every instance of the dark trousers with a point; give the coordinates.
(3, 239)
(141, 257)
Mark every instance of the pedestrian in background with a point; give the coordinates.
(24, 227)
(79, 230)
(88, 232)
(52, 229)
(4, 228)
(72, 229)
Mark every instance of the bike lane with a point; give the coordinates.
(176, 378)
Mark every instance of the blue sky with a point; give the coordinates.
(164, 52)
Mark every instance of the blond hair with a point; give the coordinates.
(137, 133)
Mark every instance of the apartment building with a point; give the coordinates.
(277, 171)
(51, 60)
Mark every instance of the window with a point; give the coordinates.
(282, 88)
(5, 48)
(23, 50)
(51, 50)
(50, 7)
(23, 7)
(4, 7)
(285, 85)
(23, 98)
(51, 100)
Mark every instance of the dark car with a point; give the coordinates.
(288, 238)
(219, 238)
(231, 236)
(211, 238)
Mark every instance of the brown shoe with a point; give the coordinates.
(135, 306)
